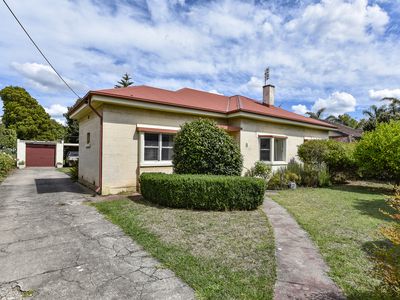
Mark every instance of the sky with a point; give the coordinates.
(335, 54)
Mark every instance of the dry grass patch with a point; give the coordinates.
(222, 255)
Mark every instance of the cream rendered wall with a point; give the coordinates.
(121, 144)
(59, 154)
(249, 140)
(21, 152)
(89, 153)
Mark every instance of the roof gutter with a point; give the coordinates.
(99, 188)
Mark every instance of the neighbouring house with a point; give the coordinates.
(345, 133)
(127, 131)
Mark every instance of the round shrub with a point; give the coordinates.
(206, 192)
(202, 148)
(337, 156)
(378, 153)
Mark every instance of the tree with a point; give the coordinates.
(124, 82)
(27, 117)
(202, 148)
(377, 153)
(375, 115)
(8, 139)
(344, 119)
(316, 115)
(71, 130)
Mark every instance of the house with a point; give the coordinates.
(345, 133)
(124, 132)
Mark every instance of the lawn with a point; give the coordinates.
(343, 221)
(221, 255)
(66, 170)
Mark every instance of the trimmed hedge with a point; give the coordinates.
(205, 192)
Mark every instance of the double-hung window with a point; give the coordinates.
(273, 149)
(158, 146)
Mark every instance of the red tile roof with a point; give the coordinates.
(190, 98)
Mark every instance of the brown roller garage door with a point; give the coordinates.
(40, 155)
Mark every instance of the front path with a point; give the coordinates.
(55, 247)
(301, 271)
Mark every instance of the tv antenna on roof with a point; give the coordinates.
(266, 75)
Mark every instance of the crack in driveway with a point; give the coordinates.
(60, 249)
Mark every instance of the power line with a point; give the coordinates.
(40, 51)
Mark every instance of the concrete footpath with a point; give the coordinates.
(52, 246)
(301, 270)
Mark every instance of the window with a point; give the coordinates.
(88, 138)
(265, 149)
(158, 146)
(279, 149)
(273, 149)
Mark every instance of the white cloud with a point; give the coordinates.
(43, 77)
(254, 85)
(380, 94)
(62, 121)
(56, 110)
(224, 45)
(338, 20)
(213, 91)
(337, 103)
(300, 109)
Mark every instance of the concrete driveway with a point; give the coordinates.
(55, 247)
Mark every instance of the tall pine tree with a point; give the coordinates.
(27, 117)
(124, 82)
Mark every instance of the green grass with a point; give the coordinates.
(66, 170)
(343, 221)
(221, 255)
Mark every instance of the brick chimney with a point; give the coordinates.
(269, 95)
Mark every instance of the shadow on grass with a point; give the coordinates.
(364, 188)
(373, 208)
(140, 200)
(372, 249)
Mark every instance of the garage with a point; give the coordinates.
(40, 155)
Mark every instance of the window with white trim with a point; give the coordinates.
(279, 149)
(158, 146)
(265, 149)
(273, 149)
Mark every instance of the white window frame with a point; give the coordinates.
(272, 150)
(159, 162)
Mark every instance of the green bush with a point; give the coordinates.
(7, 163)
(8, 140)
(260, 170)
(281, 178)
(313, 152)
(202, 148)
(377, 153)
(74, 171)
(337, 156)
(315, 176)
(206, 192)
